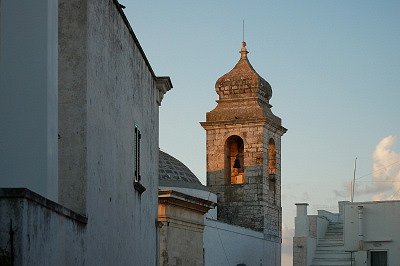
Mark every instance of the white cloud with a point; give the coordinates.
(387, 168)
(379, 197)
(386, 172)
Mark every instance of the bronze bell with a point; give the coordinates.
(236, 164)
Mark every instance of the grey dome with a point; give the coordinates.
(174, 173)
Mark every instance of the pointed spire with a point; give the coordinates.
(243, 81)
(243, 51)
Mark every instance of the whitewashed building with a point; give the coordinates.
(361, 234)
(78, 136)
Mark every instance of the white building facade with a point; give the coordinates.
(362, 233)
(226, 244)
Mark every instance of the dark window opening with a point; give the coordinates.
(137, 177)
(378, 258)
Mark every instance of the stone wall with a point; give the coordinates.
(252, 204)
(181, 222)
(300, 251)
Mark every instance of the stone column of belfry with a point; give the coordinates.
(244, 150)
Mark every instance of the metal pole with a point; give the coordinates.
(354, 179)
(243, 32)
(351, 258)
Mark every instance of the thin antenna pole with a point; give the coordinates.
(354, 179)
(243, 32)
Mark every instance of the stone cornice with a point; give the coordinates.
(185, 201)
(253, 122)
(163, 84)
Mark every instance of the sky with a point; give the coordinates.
(334, 68)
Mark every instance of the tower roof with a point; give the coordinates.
(243, 81)
(243, 97)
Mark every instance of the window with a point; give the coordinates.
(271, 157)
(272, 167)
(137, 177)
(378, 258)
(138, 136)
(234, 160)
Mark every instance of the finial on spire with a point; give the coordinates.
(243, 51)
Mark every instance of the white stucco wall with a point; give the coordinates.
(72, 106)
(121, 93)
(380, 228)
(28, 95)
(226, 244)
(36, 231)
(309, 229)
(115, 89)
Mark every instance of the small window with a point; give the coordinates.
(234, 160)
(138, 136)
(271, 157)
(378, 258)
(272, 168)
(137, 177)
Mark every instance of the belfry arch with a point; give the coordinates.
(234, 160)
(272, 168)
(271, 158)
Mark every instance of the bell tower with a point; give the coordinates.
(244, 151)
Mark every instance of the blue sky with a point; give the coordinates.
(334, 67)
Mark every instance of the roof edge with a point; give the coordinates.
(135, 39)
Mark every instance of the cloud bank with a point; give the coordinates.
(385, 183)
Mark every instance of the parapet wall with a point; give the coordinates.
(38, 231)
(226, 244)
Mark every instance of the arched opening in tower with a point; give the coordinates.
(234, 160)
(272, 166)
(271, 158)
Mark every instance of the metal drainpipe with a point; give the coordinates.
(360, 228)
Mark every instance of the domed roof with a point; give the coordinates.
(243, 81)
(174, 173)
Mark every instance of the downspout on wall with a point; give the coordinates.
(360, 228)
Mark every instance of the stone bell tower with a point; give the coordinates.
(244, 151)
